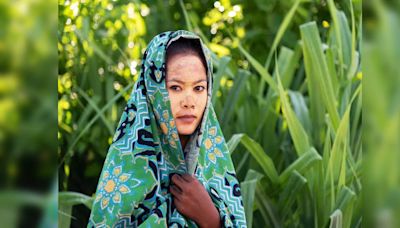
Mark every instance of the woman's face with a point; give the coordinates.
(187, 88)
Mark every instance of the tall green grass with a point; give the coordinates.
(382, 115)
(304, 167)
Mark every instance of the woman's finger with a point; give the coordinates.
(188, 178)
(179, 181)
(175, 191)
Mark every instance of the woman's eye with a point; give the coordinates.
(199, 88)
(175, 88)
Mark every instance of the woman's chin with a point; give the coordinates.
(185, 130)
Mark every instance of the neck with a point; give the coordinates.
(184, 139)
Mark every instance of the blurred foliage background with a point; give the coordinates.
(28, 117)
(287, 95)
(381, 124)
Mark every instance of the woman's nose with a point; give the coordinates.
(188, 102)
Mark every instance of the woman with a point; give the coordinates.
(169, 164)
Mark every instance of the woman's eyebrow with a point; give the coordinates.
(182, 82)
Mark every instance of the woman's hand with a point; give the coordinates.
(192, 200)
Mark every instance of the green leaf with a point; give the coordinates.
(340, 149)
(336, 219)
(222, 67)
(302, 164)
(299, 135)
(74, 198)
(281, 31)
(287, 63)
(248, 189)
(292, 189)
(66, 200)
(342, 38)
(301, 110)
(266, 209)
(261, 157)
(345, 197)
(233, 142)
(317, 73)
(345, 203)
(259, 68)
(96, 108)
(185, 14)
(64, 216)
(233, 96)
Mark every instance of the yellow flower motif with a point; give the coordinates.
(175, 136)
(123, 189)
(117, 171)
(212, 131)
(165, 115)
(117, 197)
(208, 143)
(211, 156)
(218, 152)
(112, 187)
(104, 202)
(123, 178)
(164, 128)
(211, 145)
(172, 143)
(109, 186)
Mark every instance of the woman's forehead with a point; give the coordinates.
(186, 77)
(185, 67)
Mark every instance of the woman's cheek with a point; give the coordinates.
(173, 102)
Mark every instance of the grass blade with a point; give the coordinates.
(96, 108)
(302, 164)
(233, 96)
(248, 188)
(291, 190)
(233, 142)
(336, 219)
(222, 65)
(74, 198)
(185, 14)
(317, 70)
(281, 31)
(299, 135)
(261, 157)
(259, 68)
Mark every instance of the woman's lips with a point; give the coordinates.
(187, 119)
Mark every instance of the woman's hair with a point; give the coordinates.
(183, 45)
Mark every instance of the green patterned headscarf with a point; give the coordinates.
(133, 189)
